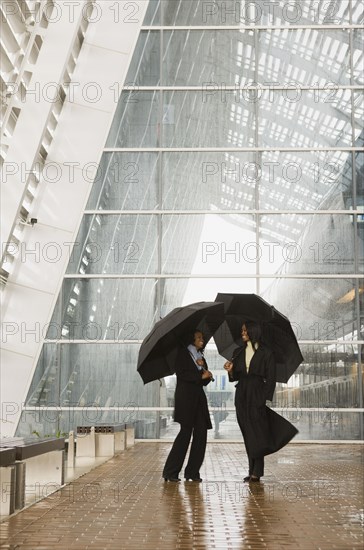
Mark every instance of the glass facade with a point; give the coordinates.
(234, 163)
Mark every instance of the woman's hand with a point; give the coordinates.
(206, 375)
(228, 366)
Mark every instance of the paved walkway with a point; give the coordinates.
(311, 498)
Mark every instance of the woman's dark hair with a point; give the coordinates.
(254, 331)
(191, 339)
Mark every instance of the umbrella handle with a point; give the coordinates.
(212, 378)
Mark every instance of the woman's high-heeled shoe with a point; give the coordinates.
(174, 479)
(199, 479)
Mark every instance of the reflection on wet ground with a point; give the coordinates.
(311, 497)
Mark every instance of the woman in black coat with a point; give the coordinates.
(191, 411)
(264, 431)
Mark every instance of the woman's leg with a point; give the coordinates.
(241, 426)
(177, 454)
(256, 467)
(198, 448)
(251, 465)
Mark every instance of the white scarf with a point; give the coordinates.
(249, 352)
(195, 354)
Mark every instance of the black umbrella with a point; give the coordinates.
(277, 332)
(158, 352)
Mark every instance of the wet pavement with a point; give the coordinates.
(311, 497)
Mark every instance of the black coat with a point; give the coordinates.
(190, 398)
(264, 430)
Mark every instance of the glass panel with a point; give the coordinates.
(358, 118)
(125, 181)
(285, 57)
(46, 421)
(361, 244)
(221, 58)
(207, 118)
(177, 292)
(306, 12)
(150, 425)
(317, 180)
(104, 309)
(358, 56)
(301, 118)
(209, 181)
(325, 381)
(42, 422)
(152, 17)
(325, 424)
(259, 12)
(115, 244)
(208, 244)
(144, 69)
(328, 377)
(44, 389)
(359, 164)
(135, 123)
(93, 375)
(319, 309)
(288, 244)
(218, 118)
(285, 180)
(306, 57)
(199, 12)
(306, 244)
(294, 117)
(358, 12)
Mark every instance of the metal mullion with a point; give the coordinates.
(247, 27)
(138, 342)
(230, 87)
(232, 409)
(258, 158)
(160, 170)
(101, 342)
(228, 149)
(159, 196)
(222, 212)
(213, 276)
(355, 223)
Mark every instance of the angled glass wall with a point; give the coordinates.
(234, 164)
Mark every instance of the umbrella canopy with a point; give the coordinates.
(277, 332)
(160, 347)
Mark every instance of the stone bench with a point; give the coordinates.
(38, 468)
(7, 456)
(7, 479)
(103, 439)
(130, 434)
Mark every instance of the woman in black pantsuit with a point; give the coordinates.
(191, 411)
(264, 431)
